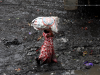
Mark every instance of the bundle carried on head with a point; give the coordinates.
(41, 23)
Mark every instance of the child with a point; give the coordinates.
(47, 54)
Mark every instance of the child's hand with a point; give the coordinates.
(37, 39)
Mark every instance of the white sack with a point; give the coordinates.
(41, 23)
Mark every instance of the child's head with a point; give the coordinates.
(46, 31)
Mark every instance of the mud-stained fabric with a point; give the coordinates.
(47, 49)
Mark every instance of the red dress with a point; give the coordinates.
(47, 49)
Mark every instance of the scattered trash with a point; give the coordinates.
(4, 74)
(30, 33)
(79, 49)
(72, 72)
(96, 62)
(57, 55)
(62, 64)
(8, 19)
(88, 64)
(17, 18)
(29, 24)
(82, 28)
(66, 73)
(86, 28)
(64, 40)
(0, 1)
(89, 21)
(85, 62)
(31, 53)
(82, 47)
(50, 13)
(52, 73)
(91, 52)
(84, 53)
(18, 70)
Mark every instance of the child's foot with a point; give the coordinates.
(54, 60)
(37, 60)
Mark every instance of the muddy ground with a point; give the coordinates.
(69, 43)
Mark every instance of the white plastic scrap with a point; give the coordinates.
(4, 74)
(52, 73)
(72, 72)
(64, 39)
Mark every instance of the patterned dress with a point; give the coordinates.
(47, 49)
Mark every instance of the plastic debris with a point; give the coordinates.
(86, 28)
(4, 74)
(91, 52)
(8, 19)
(50, 13)
(29, 24)
(85, 62)
(90, 21)
(64, 39)
(84, 53)
(82, 28)
(0, 1)
(30, 33)
(31, 53)
(89, 64)
(18, 70)
(72, 72)
(52, 73)
(96, 62)
(79, 49)
(17, 18)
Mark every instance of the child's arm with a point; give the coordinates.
(39, 37)
(51, 33)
